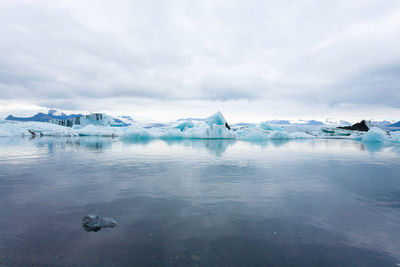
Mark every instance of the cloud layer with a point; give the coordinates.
(309, 52)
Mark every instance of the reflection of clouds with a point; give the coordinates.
(329, 184)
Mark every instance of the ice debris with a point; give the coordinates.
(213, 127)
(94, 223)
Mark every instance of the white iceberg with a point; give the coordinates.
(375, 135)
(395, 136)
(216, 119)
(34, 128)
(213, 127)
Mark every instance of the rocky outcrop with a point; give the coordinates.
(94, 223)
(359, 126)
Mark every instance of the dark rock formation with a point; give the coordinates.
(227, 126)
(359, 126)
(93, 223)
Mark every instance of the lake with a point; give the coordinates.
(199, 202)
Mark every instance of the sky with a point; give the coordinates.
(252, 60)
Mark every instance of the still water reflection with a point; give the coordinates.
(199, 202)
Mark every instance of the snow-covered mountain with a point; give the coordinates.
(380, 123)
(396, 124)
(52, 114)
(333, 121)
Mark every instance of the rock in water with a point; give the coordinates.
(94, 223)
(359, 126)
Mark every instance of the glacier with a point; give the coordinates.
(212, 127)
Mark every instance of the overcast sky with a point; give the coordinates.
(253, 60)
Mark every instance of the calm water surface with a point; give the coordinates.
(199, 203)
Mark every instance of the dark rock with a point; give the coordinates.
(227, 126)
(94, 223)
(359, 126)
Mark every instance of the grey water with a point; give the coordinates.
(199, 202)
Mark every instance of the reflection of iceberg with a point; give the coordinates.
(215, 146)
(372, 146)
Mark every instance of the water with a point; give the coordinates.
(199, 203)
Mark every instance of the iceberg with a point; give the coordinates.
(395, 136)
(185, 125)
(268, 127)
(217, 119)
(301, 135)
(34, 128)
(96, 130)
(139, 134)
(213, 127)
(375, 135)
(91, 119)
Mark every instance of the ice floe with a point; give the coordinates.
(212, 127)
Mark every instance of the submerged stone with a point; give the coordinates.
(94, 223)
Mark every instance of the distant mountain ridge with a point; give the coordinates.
(42, 117)
(396, 124)
(314, 122)
(281, 122)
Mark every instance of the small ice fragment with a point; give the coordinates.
(94, 223)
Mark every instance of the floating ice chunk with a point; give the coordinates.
(203, 131)
(185, 125)
(268, 127)
(257, 134)
(93, 130)
(6, 129)
(374, 134)
(252, 134)
(133, 133)
(301, 135)
(91, 119)
(93, 223)
(38, 128)
(395, 136)
(279, 135)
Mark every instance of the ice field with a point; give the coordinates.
(213, 127)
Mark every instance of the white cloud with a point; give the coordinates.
(318, 56)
